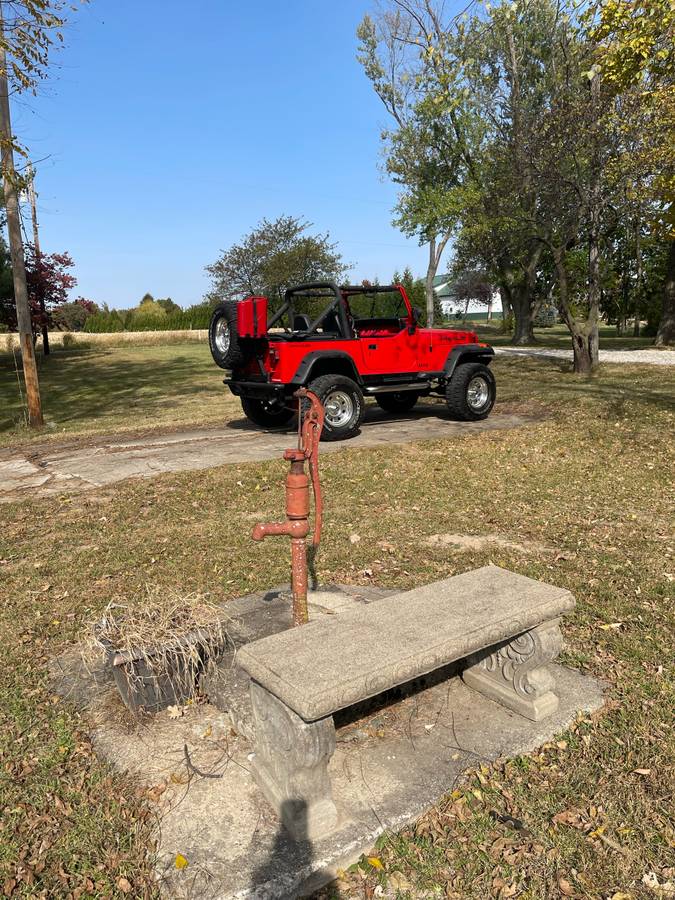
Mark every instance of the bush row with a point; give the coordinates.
(131, 320)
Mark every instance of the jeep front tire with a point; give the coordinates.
(342, 404)
(471, 392)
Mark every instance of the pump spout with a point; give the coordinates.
(295, 528)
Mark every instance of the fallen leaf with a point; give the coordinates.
(565, 887)
(642, 771)
(181, 862)
(175, 712)
(124, 885)
(178, 779)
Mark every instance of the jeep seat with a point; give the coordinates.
(331, 324)
(301, 322)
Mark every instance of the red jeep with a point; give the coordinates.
(345, 343)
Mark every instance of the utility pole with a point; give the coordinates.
(32, 199)
(16, 246)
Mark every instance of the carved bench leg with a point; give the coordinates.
(514, 673)
(291, 765)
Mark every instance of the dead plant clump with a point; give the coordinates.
(162, 637)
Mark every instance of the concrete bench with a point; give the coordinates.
(505, 627)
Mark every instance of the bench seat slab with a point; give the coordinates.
(514, 673)
(336, 661)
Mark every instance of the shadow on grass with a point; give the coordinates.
(618, 386)
(88, 384)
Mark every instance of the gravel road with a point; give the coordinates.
(637, 357)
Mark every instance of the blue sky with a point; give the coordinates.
(169, 129)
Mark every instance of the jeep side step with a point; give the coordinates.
(397, 388)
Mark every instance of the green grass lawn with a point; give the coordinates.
(593, 480)
(558, 336)
(114, 389)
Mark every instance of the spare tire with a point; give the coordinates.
(224, 338)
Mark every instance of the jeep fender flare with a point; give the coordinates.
(312, 366)
(467, 353)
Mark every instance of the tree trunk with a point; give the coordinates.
(584, 334)
(585, 345)
(435, 254)
(638, 273)
(665, 336)
(429, 282)
(524, 316)
(507, 307)
(21, 302)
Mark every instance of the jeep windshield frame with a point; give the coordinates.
(366, 290)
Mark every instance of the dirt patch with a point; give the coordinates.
(463, 542)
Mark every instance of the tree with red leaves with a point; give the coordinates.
(48, 281)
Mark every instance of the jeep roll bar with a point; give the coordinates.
(310, 289)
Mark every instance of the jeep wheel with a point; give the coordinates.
(223, 336)
(400, 402)
(266, 413)
(471, 392)
(342, 404)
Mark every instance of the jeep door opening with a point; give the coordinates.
(345, 344)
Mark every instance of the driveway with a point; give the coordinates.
(50, 469)
(638, 357)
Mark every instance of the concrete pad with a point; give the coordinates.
(395, 758)
(52, 469)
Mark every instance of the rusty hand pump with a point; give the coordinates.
(296, 525)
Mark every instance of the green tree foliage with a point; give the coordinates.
(107, 320)
(72, 316)
(169, 306)
(272, 257)
(543, 129)
(415, 288)
(636, 54)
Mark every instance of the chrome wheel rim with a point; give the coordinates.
(477, 392)
(222, 338)
(338, 408)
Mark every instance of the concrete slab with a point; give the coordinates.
(394, 760)
(49, 470)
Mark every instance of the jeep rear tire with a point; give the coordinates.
(471, 392)
(266, 413)
(342, 404)
(399, 402)
(224, 337)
